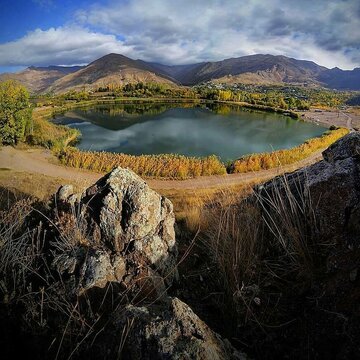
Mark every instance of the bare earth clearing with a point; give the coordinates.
(44, 163)
(337, 118)
(40, 162)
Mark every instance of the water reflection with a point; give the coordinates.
(194, 130)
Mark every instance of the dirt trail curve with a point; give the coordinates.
(43, 162)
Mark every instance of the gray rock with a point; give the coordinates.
(346, 147)
(170, 330)
(117, 230)
(330, 189)
(64, 192)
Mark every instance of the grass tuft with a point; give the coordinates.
(263, 161)
(167, 166)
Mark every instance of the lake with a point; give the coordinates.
(188, 129)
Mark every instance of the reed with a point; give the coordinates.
(263, 161)
(44, 133)
(167, 166)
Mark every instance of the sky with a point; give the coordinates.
(64, 32)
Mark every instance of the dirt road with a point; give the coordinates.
(337, 118)
(42, 162)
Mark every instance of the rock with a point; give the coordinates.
(346, 147)
(97, 268)
(330, 189)
(353, 275)
(117, 230)
(64, 192)
(169, 330)
(132, 218)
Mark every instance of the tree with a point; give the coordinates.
(15, 112)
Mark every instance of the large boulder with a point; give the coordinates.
(167, 330)
(328, 189)
(118, 230)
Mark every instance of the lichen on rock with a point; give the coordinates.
(120, 230)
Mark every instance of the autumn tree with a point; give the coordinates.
(15, 112)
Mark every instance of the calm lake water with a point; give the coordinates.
(194, 130)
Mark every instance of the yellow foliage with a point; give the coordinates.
(255, 162)
(151, 166)
(44, 133)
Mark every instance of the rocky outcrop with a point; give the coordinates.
(331, 188)
(120, 231)
(116, 230)
(169, 330)
(305, 260)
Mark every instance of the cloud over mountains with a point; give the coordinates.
(188, 31)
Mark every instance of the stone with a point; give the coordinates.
(346, 147)
(116, 230)
(169, 330)
(64, 192)
(331, 187)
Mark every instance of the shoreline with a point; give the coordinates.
(332, 118)
(325, 118)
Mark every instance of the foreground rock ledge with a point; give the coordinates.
(121, 231)
(332, 187)
(169, 330)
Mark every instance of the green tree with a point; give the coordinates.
(15, 112)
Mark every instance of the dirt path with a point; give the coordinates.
(328, 118)
(42, 162)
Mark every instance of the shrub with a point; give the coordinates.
(15, 112)
(49, 135)
(160, 166)
(263, 161)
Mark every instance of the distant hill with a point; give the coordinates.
(117, 69)
(38, 79)
(258, 68)
(63, 69)
(341, 79)
(264, 69)
(112, 69)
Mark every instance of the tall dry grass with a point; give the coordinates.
(263, 161)
(262, 247)
(35, 243)
(158, 166)
(44, 133)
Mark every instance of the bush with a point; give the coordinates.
(49, 135)
(263, 161)
(161, 166)
(15, 112)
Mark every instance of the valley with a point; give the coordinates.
(209, 205)
(118, 70)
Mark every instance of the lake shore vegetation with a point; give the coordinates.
(264, 161)
(34, 128)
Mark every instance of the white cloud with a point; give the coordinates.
(326, 31)
(63, 45)
(188, 31)
(46, 4)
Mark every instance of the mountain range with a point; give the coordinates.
(116, 69)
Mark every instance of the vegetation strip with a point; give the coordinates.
(263, 161)
(166, 166)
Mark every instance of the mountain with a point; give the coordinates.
(341, 79)
(256, 68)
(116, 69)
(112, 69)
(263, 69)
(38, 79)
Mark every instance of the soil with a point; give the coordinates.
(337, 118)
(43, 162)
